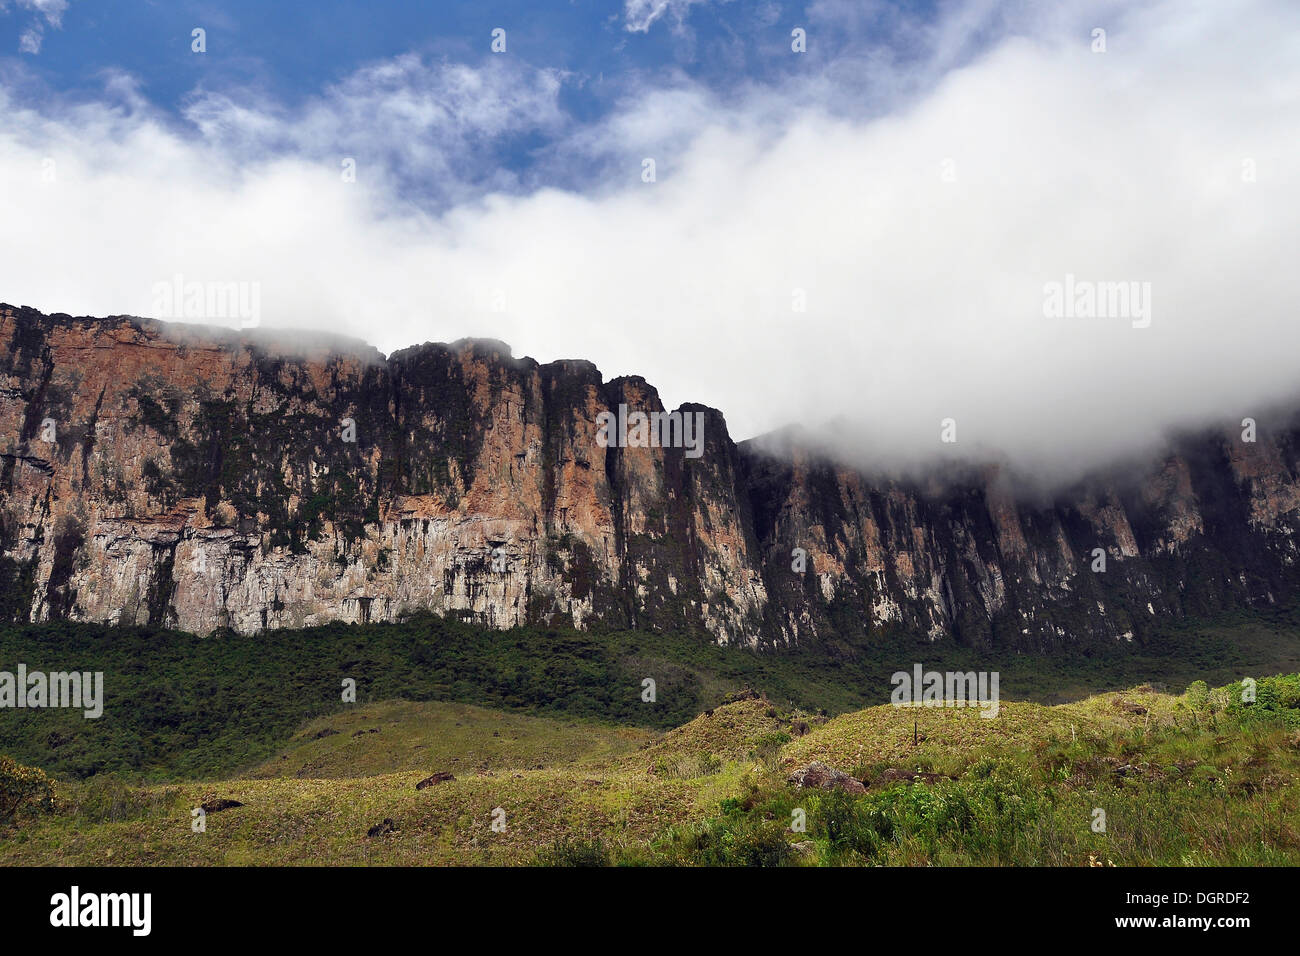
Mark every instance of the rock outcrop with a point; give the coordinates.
(821, 777)
(205, 479)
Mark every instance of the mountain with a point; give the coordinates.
(203, 478)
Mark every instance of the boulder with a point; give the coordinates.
(818, 775)
(442, 776)
(216, 806)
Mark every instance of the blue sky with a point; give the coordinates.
(600, 53)
(860, 233)
(290, 49)
(294, 49)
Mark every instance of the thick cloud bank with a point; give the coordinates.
(1067, 251)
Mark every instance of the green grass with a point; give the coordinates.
(395, 736)
(182, 707)
(1195, 780)
(549, 725)
(1192, 781)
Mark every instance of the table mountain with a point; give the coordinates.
(203, 478)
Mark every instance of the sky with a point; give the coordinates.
(861, 217)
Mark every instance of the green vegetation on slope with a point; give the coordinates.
(183, 707)
(397, 735)
(1137, 778)
(1198, 779)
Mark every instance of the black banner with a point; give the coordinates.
(332, 905)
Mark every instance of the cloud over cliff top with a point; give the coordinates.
(873, 241)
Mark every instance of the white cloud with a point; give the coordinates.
(640, 15)
(405, 117)
(51, 10)
(924, 297)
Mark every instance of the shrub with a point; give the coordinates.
(24, 791)
(732, 806)
(750, 842)
(1277, 699)
(850, 825)
(570, 852)
(768, 747)
(741, 836)
(984, 814)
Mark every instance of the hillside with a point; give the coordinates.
(1196, 778)
(179, 705)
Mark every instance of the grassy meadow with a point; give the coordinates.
(548, 755)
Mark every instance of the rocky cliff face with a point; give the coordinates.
(206, 479)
